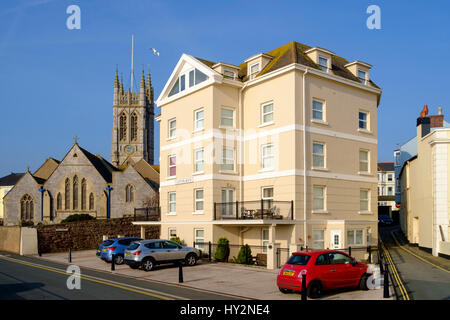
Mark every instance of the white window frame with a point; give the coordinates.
(253, 75)
(363, 80)
(172, 202)
(322, 231)
(361, 210)
(323, 198)
(170, 231)
(198, 200)
(172, 132)
(171, 166)
(322, 102)
(227, 118)
(351, 240)
(224, 160)
(263, 114)
(321, 66)
(198, 120)
(367, 122)
(319, 155)
(263, 158)
(265, 242)
(364, 161)
(198, 162)
(231, 77)
(199, 239)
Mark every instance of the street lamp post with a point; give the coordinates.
(108, 205)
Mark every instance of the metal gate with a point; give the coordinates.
(282, 256)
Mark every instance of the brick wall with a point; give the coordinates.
(88, 234)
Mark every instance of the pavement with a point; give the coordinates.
(246, 282)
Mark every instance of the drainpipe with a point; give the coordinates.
(241, 142)
(42, 190)
(305, 237)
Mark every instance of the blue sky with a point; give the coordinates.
(57, 83)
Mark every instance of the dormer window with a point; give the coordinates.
(191, 77)
(254, 70)
(228, 74)
(362, 76)
(323, 64)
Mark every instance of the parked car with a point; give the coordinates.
(325, 270)
(385, 219)
(149, 253)
(114, 246)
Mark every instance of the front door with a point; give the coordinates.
(335, 239)
(227, 203)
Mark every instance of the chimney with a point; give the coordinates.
(424, 124)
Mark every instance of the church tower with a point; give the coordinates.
(133, 128)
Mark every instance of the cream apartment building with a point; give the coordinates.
(279, 151)
(424, 216)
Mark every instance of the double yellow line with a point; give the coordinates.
(116, 285)
(395, 273)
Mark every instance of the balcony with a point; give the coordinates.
(254, 210)
(147, 214)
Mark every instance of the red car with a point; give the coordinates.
(325, 270)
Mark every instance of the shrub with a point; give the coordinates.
(177, 240)
(245, 255)
(223, 249)
(78, 217)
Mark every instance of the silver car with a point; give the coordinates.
(149, 253)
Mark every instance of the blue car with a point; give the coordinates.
(114, 246)
(385, 219)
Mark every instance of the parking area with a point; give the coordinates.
(244, 281)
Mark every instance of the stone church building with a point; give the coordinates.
(86, 183)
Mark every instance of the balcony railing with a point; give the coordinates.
(254, 210)
(147, 214)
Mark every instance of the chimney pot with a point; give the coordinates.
(439, 111)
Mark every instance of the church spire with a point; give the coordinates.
(116, 79)
(143, 80)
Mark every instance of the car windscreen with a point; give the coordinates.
(107, 243)
(299, 259)
(133, 246)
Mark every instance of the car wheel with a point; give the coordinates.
(363, 282)
(118, 259)
(314, 290)
(191, 259)
(133, 266)
(283, 290)
(148, 264)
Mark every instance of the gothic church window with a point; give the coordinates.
(75, 193)
(67, 194)
(129, 193)
(26, 208)
(83, 194)
(91, 201)
(123, 127)
(134, 128)
(58, 201)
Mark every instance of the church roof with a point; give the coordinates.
(46, 170)
(10, 179)
(148, 172)
(103, 167)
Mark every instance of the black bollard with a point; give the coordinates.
(113, 262)
(180, 272)
(350, 251)
(70, 255)
(386, 282)
(209, 251)
(370, 254)
(304, 295)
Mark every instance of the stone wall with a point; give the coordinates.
(10, 239)
(88, 234)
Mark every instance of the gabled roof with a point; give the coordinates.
(11, 179)
(101, 165)
(47, 168)
(148, 172)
